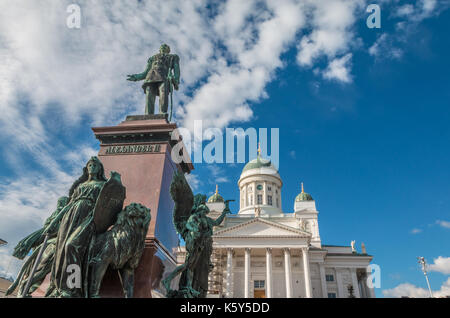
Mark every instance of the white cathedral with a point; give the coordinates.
(264, 252)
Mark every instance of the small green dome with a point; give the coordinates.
(216, 197)
(303, 196)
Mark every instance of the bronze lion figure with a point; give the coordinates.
(121, 247)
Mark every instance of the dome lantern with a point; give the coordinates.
(216, 197)
(303, 196)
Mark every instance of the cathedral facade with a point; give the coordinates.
(264, 252)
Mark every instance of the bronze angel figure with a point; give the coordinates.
(196, 229)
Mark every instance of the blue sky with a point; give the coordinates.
(363, 113)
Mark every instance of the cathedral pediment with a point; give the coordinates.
(259, 227)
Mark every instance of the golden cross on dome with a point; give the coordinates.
(217, 189)
(303, 191)
(259, 149)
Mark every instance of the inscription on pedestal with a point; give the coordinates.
(132, 149)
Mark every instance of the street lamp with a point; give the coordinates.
(424, 269)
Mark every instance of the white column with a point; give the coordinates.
(339, 284)
(229, 293)
(306, 272)
(279, 195)
(362, 289)
(247, 274)
(269, 272)
(355, 283)
(254, 193)
(246, 196)
(287, 271)
(265, 193)
(323, 281)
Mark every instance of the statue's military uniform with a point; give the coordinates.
(163, 71)
(157, 80)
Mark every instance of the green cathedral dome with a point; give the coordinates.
(216, 197)
(257, 163)
(303, 196)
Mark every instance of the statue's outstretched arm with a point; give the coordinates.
(141, 76)
(25, 245)
(225, 211)
(36, 238)
(220, 219)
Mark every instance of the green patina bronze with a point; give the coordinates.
(76, 231)
(191, 222)
(89, 231)
(160, 77)
(120, 248)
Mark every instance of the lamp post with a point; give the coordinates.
(424, 269)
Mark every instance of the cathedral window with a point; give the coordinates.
(329, 278)
(269, 200)
(331, 295)
(278, 203)
(258, 284)
(259, 198)
(269, 188)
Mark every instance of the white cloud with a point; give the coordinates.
(218, 175)
(411, 290)
(420, 10)
(445, 224)
(385, 48)
(254, 39)
(441, 265)
(406, 289)
(331, 34)
(405, 10)
(193, 181)
(339, 69)
(416, 231)
(9, 265)
(388, 45)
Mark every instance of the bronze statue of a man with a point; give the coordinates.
(162, 72)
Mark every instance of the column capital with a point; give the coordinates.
(286, 249)
(230, 249)
(304, 249)
(269, 250)
(248, 249)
